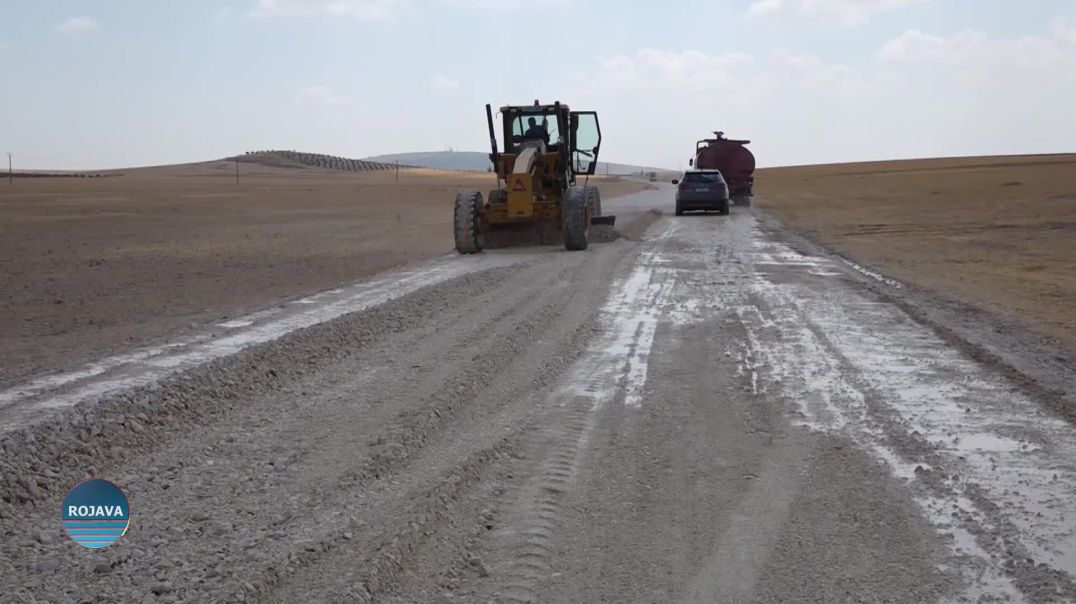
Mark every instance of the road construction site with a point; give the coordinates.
(702, 409)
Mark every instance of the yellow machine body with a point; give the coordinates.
(537, 199)
(526, 195)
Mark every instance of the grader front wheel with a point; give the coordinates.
(576, 218)
(468, 222)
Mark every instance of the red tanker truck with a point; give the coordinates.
(733, 159)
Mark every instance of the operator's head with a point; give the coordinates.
(532, 122)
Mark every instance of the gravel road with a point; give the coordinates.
(697, 412)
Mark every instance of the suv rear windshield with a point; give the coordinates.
(704, 177)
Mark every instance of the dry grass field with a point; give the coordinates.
(998, 233)
(90, 265)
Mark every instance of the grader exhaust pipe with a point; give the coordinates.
(495, 156)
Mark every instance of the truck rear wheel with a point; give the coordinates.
(575, 215)
(742, 199)
(467, 222)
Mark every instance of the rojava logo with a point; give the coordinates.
(95, 513)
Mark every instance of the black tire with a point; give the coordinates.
(575, 216)
(679, 210)
(594, 199)
(468, 222)
(723, 210)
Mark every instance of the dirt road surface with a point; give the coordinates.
(698, 412)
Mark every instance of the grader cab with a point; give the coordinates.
(537, 196)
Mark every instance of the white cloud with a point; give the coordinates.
(78, 25)
(925, 94)
(1064, 30)
(323, 96)
(360, 9)
(914, 45)
(444, 84)
(976, 52)
(841, 12)
(658, 68)
(729, 75)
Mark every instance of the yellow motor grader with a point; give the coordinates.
(545, 148)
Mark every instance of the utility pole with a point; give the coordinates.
(236, 169)
(397, 171)
(10, 175)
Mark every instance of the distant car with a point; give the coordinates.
(653, 177)
(701, 190)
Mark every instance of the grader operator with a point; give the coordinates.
(545, 148)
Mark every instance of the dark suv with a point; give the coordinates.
(701, 190)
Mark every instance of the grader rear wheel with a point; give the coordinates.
(576, 213)
(594, 198)
(467, 222)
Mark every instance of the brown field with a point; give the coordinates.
(996, 233)
(89, 265)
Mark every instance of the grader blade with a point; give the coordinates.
(522, 235)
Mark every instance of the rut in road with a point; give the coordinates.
(347, 472)
(658, 475)
(796, 437)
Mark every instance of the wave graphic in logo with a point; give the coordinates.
(95, 513)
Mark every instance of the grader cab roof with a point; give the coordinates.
(536, 108)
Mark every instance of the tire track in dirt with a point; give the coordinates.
(454, 366)
(502, 411)
(612, 370)
(411, 429)
(536, 516)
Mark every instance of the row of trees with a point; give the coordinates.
(328, 162)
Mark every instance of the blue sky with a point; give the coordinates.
(117, 83)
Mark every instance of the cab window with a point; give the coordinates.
(521, 123)
(704, 177)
